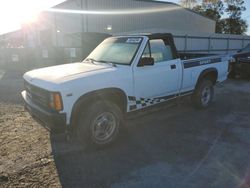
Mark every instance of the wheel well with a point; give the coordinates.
(210, 74)
(114, 95)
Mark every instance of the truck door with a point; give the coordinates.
(161, 79)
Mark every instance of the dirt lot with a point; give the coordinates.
(178, 147)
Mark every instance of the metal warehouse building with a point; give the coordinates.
(119, 16)
(66, 26)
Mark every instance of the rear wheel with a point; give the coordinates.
(99, 125)
(203, 94)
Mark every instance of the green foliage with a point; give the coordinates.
(234, 8)
(188, 3)
(234, 24)
(215, 9)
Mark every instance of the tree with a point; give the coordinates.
(188, 3)
(213, 9)
(234, 24)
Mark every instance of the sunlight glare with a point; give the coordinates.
(115, 12)
(14, 13)
(22, 11)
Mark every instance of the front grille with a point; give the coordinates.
(37, 95)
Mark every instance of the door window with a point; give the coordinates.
(146, 52)
(160, 51)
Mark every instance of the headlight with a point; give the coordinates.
(56, 101)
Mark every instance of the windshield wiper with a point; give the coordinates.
(100, 61)
(90, 59)
(108, 62)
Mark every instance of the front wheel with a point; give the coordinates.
(203, 94)
(100, 124)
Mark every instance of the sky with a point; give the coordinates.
(13, 13)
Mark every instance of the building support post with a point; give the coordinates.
(185, 47)
(55, 30)
(209, 44)
(243, 42)
(228, 40)
(84, 21)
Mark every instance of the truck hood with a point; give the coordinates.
(61, 73)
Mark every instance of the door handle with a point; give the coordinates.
(173, 66)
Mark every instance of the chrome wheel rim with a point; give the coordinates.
(103, 126)
(206, 96)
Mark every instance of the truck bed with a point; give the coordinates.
(187, 56)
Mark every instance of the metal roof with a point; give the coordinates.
(155, 1)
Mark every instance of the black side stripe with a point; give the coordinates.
(174, 95)
(139, 103)
(166, 97)
(186, 92)
(190, 64)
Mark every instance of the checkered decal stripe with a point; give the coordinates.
(138, 103)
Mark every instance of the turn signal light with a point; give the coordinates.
(56, 101)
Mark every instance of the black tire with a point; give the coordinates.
(203, 94)
(100, 115)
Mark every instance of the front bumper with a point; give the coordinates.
(53, 121)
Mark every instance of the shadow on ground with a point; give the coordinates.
(165, 148)
(176, 147)
(11, 84)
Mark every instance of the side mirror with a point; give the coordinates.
(146, 61)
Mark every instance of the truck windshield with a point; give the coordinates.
(116, 50)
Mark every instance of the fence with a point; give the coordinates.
(217, 44)
(30, 58)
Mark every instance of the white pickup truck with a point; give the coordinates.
(123, 74)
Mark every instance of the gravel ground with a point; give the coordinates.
(25, 151)
(178, 147)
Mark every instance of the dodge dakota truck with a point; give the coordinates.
(122, 75)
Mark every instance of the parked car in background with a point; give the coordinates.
(240, 65)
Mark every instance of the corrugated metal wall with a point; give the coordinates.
(173, 17)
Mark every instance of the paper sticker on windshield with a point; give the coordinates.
(133, 40)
